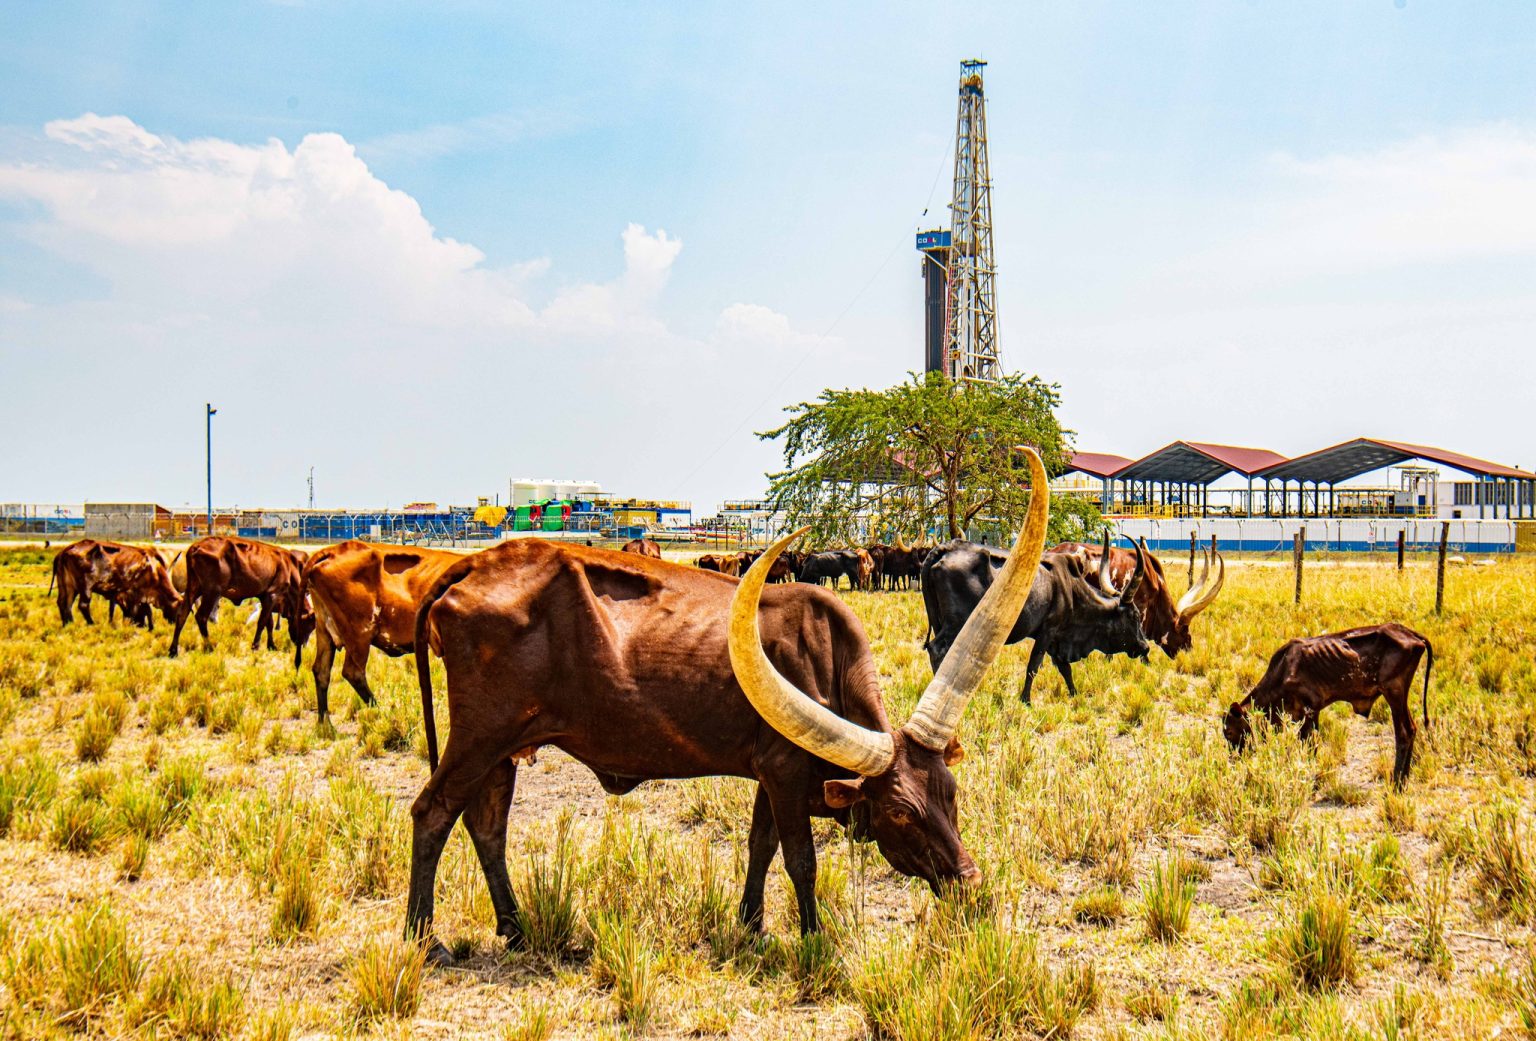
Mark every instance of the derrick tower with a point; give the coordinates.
(958, 270)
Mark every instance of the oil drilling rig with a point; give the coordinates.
(959, 275)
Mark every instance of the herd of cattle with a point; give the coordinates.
(867, 568)
(643, 669)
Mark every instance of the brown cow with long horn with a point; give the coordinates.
(1165, 622)
(643, 669)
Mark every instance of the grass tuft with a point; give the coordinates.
(958, 981)
(28, 783)
(1102, 905)
(385, 978)
(208, 1013)
(297, 909)
(79, 825)
(134, 858)
(1429, 945)
(623, 959)
(1167, 897)
(1504, 862)
(1523, 992)
(546, 906)
(95, 961)
(531, 1022)
(1317, 947)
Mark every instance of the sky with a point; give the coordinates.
(426, 248)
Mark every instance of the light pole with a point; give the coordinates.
(208, 444)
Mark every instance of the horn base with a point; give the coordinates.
(811, 725)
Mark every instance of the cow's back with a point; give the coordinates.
(600, 646)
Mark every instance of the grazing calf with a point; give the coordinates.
(132, 579)
(78, 569)
(238, 569)
(365, 596)
(1357, 666)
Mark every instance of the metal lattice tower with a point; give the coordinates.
(970, 304)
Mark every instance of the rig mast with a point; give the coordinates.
(961, 340)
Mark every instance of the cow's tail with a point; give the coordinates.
(1429, 666)
(455, 574)
(54, 572)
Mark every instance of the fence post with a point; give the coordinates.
(1445, 537)
(1193, 542)
(1300, 550)
(1402, 540)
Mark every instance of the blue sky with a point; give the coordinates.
(424, 248)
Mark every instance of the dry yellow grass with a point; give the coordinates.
(247, 873)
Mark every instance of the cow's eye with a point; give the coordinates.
(901, 818)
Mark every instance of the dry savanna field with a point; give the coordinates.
(184, 854)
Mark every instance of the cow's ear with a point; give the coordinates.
(841, 794)
(953, 752)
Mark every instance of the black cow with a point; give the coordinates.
(831, 565)
(903, 565)
(1072, 610)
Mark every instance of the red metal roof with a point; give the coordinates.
(1467, 463)
(1362, 455)
(1098, 464)
(1198, 462)
(1245, 461)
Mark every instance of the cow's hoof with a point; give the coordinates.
(439, 956)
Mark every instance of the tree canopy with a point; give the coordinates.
(926, 458)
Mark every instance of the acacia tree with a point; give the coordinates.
(926, 457)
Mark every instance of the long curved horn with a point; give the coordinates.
(1141, 569)
(1203, 595)
(788, 710)
(938, 712)
(1106, 582)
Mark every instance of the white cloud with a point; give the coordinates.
(321, 309)
(626, 301)
(753, 328)
(210, 225)
(294, 236)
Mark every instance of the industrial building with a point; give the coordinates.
(1177, 481)
(1256, 499)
